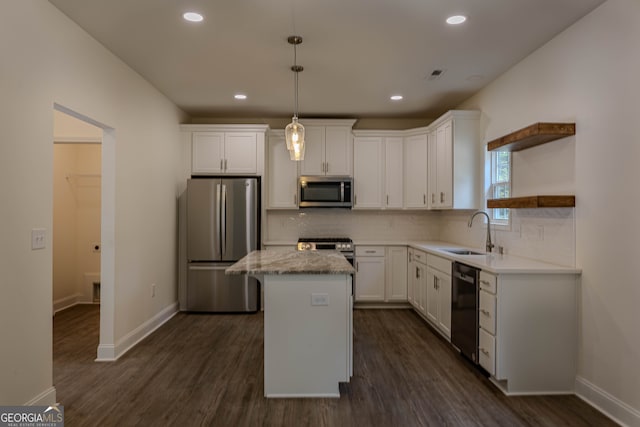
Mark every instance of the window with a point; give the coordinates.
(500, 184)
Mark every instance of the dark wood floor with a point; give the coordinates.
(207, 370)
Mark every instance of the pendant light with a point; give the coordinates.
(294, 132)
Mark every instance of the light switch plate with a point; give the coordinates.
(38, 238)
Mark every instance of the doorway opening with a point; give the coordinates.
(83, 218)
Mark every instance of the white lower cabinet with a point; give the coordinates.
(439, 294)
(410, 275)
(527, 333)
(487, 321)
(396, 274)
(417, 281)
(370, 273)
(381, 274)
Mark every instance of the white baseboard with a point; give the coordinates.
(111, 353)
(46, 398)
(610, 405)
(66, 302)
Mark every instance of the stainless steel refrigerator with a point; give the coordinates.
(223, 225)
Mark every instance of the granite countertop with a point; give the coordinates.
(292, 261)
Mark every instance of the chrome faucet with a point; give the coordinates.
(489, 244)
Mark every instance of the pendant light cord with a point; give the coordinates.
(295, 64)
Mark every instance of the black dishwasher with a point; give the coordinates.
(464, 309)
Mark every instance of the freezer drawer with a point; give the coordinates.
(210, 290)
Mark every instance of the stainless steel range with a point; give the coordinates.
(344, 245)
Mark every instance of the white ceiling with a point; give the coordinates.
(355, 53)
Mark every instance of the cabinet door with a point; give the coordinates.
(338, 150)
(313, 163)
(432, 201)
(432, 295)
(282, 184)
(370, 279)
(444, 161)
(367, 172)
(411, 268)
(415, 172)
(444, 304)
(240, 152)
(421, 288)
(396, 271)
(207, 152)
(393, 188)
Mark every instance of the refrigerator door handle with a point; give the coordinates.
(218, 219)
(223, 224)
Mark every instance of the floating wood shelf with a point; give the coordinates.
(533, 202)
(536, 134)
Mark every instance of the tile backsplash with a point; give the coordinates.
(543, 234)
(287, 226)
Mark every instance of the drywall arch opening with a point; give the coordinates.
(106, 345)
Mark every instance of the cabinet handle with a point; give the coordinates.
(295, 199)
(221, 164)
(483, 351)
(424, 199)
(370, 252)
(357, 267)
(355, 199)
(441, 197)
(433, 198)
(485, 312)
(417, 273)
(484, 282)
(387, 199)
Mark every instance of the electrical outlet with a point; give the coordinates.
(319, 299)
(38, 238)
(153, 290)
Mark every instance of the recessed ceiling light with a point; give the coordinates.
(193, 17)
(396, 97)
(456, 19)
(240, 96)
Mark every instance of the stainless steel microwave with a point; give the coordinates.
(325, 192)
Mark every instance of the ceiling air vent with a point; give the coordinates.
(435, 74)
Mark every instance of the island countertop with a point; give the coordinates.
(291, 261)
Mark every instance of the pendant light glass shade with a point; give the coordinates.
(294, 132)
(294, 135)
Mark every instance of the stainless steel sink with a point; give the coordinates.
(463, 252)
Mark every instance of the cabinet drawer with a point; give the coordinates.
(487, 351)
(440, 264)
(419, 256)
(369, 251)
(487, 312)
(488, 282)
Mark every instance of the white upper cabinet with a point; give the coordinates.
(455, 161)
(226, 149)
(415, 171)
(282, 174)
(378, 163)
(367, 172)
(393, 181)
(328, 147)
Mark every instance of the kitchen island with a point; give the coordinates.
(308, 339)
